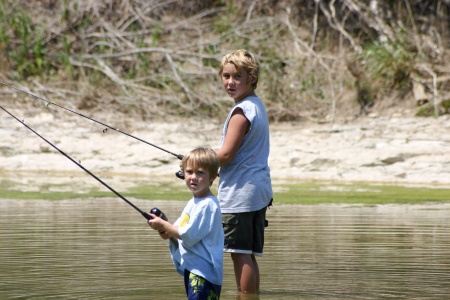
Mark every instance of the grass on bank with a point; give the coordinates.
(358, 194)
(295, 193)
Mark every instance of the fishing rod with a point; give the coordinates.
(48, 103)
(179, 173)
(154, 211)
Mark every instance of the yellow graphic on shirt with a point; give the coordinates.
(184, 220)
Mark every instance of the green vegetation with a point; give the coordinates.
(151, 57)
(29, 56)
(358, 194)
(160, 192)
(388, 63)
(48, 191)
(300, 193)
(34, 195)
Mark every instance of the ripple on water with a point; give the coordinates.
(103, 249)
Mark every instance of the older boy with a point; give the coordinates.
(245, 188)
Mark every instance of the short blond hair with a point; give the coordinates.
(202, 158)
(242, 60)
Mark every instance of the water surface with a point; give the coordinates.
(103, 249)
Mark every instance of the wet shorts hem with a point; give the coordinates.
(242, 252)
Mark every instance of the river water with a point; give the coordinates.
(103, 249)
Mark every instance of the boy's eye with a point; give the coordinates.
(198, 172)
(191, 171)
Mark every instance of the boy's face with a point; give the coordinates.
(197, 179)
(237, 84)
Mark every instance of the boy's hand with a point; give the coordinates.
(157, 223)
(164, 235)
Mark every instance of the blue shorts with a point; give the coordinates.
(198, 288)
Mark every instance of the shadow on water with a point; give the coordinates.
(103, 249)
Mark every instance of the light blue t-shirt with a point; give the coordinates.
(200, 249)
(245, 183)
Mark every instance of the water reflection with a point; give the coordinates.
(103, 249)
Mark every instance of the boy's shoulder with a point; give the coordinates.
(207, 205)
(208, 200)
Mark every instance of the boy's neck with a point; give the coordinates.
(203, 195)
(251, 93)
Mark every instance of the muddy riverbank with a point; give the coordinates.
(379, 149)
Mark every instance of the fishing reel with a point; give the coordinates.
(160, 214)
(180, 174)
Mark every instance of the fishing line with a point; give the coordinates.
(48, 103)
(179, 173)
(146, 215)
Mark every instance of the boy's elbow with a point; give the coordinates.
(224, 157)
(225, 160)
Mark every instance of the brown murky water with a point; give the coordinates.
(103, 249)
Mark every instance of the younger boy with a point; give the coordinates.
(198, 255)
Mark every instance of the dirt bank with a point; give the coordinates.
(381, 149)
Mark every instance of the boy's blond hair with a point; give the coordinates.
(205, 158)
(242, 60)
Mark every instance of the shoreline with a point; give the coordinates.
(393, 151)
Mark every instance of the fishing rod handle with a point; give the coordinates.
(160, 214)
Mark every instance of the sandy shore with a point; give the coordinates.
(385, 150)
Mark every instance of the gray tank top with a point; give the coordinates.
(245, 183)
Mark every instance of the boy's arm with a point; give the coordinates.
(238, 126)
